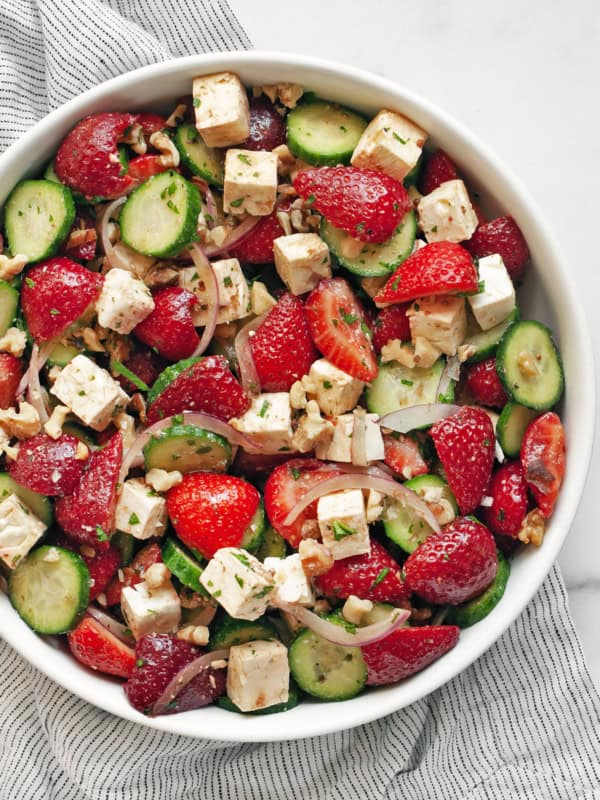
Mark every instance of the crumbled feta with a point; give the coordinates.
(124, 301)
(334, 390)
(301, 261)
(354, 609)
(20, 529)
(312, 430)
(57, 419)
(391, 143)
(268, 421)
(140, 511)
(148, 610)
(258, 675)
(291, 583)
(13, 342)
(22, 424)
(497, 300)
(343, 523)
(221, 109)
(340, 447)
(250, 185)
(261, 301)
(446, 214)
(441, 320)
(161, 481)
(238, 582)
(234, 294)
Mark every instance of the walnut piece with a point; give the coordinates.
(533, 528)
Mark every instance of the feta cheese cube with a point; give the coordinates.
(221, 109)
(140, 511)
(268, 421)
(124, 301)
(355, 609)
(340, 446)
(234, 294)
(343, 523)
(374, 446)
(238, 582)
(258, 675)
(20, 529)
(90, 392)
(291, 583)
(334, 390)
(301, 261)
(446, 214)
(441, 320)
(250, 185)
(391, 143)
(147, 610)
(497, 300)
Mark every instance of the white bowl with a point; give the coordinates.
(547, 294)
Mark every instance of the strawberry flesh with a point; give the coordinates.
(503, 236)
(257, 247)
(391, 323)
(134, 573)
(144, 167)
(169, 328)
(543, 455)
(403, 455)
(438, 169)
(267, 126)
(11, 372)
(49, 466)
(102, 566)
(508, 491)
(96, 647)
(145, 364)
(406, 651)
(484, 385)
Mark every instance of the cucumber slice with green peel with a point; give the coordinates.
(62, 354)
(9, 305)
(529, 366)
(292, 701)
(160, 217)
(187, 448)
(379, 612)
(50, 589)
(374, 259)
(323, 133)
(253, 536)
(200, 159)
(325, 670)
(273, 545)
(511, 426)
(38, 503)
(486, 342)
(479, 607)
(228, 631)
(167, 376)
(182, 564)
(404, 527)
(38, 216)
(123, 159)
(397, 386)
(125, 544)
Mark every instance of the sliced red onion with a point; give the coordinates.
(209, 279)
(412, 417)
(185, 675)
(38, 358)
(499, 452)
(378, 469)
(236, 237)
(440, 616)
(451, 372)
(358, 448)
(113, 257)
(209, 199)
(116, 628)
(248, 374)
(337, 634)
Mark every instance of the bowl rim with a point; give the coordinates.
(306, 720)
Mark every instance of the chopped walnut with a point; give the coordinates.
(418, 615)
(161, 481)
(288, 94)
(6, 448)
(81, 452)
(11, 267)
(298, 395)
(126, 424)
(286, 190)
(117, 346)
(315, 557)
(261, 301)
(217, 235)
(312, 430)
(415, 195)
(350, 247)
(199, 610)
(92, 340)
(527, 365)
(134, 137)
(22, 424)
(465, 351)
(177, 115)
(81, 236)
(138, 404)
(163, 273)
(355, 609)
(194, 634)
(375, 506)
(533, 528)
(373, 285)
(322, 606)
(87, 551)
(13, 342)
(226, 330)
(283, 218)
(397, 350)
(54, 372)
(126, 258)
(426, 353)
(298, 220)
(286, 160)
(157, 575)
(57, 419)
(169, 154)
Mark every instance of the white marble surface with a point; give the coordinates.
(524, 77)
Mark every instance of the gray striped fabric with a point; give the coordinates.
(523, 722)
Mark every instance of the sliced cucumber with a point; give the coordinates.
(292, 701)
(253, 536)
(529, 365)
(167, 376)
(323, 133)
(479, 607)
(228, 631)
(160, 217)
(9, 304)
(486, 342)
(397, 386)
(38, 503)
(125, 544)
(50, 589)
(201, 160)
(181, 563)
(62, 354)
(272, 545)
(511, 426)
(325, 670)
(374, 259)
(187, 448)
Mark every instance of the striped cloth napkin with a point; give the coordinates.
(522, 722)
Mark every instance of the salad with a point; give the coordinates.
(271, 424)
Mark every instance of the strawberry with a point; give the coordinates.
(484, 385)
(49, 466)
(438, 169)
(373, 576)
(465, 446)
(207, 385)
(169, 327)
(145, 364)
(406, 651)
(267, 127)
(158, 658)
(144, 167)
(257, 246)
(88, 514)
(337, 325)
(134, 573)
(102, 565)
(403, 455)
(82, 240)
(454, 565)
(55, 294)
(281, 347)
(151, 123)
(365, 203)
(543, 454)
(391, 323)
(87, 160)
(501, 235)
(210, 511)
(437, 268)
(508, 491)
(11, 372)
(98, 648)
(286, 486)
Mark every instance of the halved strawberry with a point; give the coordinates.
(406, 651)
(11, 372)
(134, 573)
(437, 169)
(49, 466)
(145, 364)
(403, 455)
(391, 323)
(144, 167)
(503, 236)
(336, 322)
(102, 565)
(98, 648)
(484, 385)
(267, 126)
(257, 247)
(169, 327)
(151, 123)
(508, 491)
(543, 456)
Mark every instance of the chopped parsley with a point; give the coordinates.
(54, 312)
(120, 369)
(243, 559)
(239, 581)
(227, 281)
(192, 134)
(399, 138)
(134, 519)
(30, 283)
(295, 473)
(172, 206)
(406, 382)
(341, 530)
(501, 515)
(264, 408)
(381, 576)
(349, 319)
(236, 203)
(263, 592)
(101, 534)
(327, 385)
(244, 159)
(196, 102)
(310, 200)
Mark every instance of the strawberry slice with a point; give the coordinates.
(438, 169)
(403, 455)
(144, 167)
(134, 573)
(465, 446)
(437, 268)
(508, 491)
(503, 236)
(102, 563)
(169, 328)
(55, 294)
(543, 455)
(257, 247)
(98, 648)
(391, 323)
(151, 123)
(484, 385)
(88, 514)
(337, 325)
(281, 347)
(267, 126)
(49, 466)
(406, 651)
(145, 365)
(11, 372)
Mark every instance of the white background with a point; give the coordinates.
(524, 75)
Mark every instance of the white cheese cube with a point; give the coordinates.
(374, 446)
(340, 446)
(301, 261)
(234, 293)
(221, 109)
(140, 511)
(268, 421)
(238, 582)
(390, 143)
(90, 392)
(250, 182)
(147, 610)
(497, 300)
(446, 214)
(343, 523)
(124, 301)
(20, 529)
(258, 675)
(441, 320)
(291, 583)
(334, 390)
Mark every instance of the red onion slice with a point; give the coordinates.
(185, 675)
(209, 199)
(499, 452)
(337, 634)
(208, 277)
(113, 257)
(236, 237)
(412, 417)
(358, 447)
(451, 372)
(248, 374)
(36, 361)
(116, 628)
